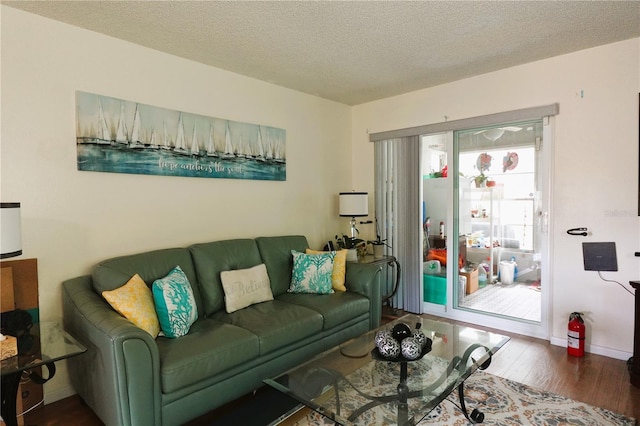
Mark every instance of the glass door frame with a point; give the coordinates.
(543, 214)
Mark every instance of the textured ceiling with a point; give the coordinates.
(355, 52)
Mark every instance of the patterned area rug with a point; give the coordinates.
(503, 402)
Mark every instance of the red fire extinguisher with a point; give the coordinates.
(576, 335)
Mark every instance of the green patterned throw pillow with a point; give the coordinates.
(312, 273)
(175, 304)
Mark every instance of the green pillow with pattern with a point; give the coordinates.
(312, 273)
(175, 303)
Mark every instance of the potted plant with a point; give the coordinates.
(480, 180)
(378, 246)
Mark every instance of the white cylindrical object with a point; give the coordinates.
(354, 204)
(462, 288)
(352, 255)
(507, 270)
(10, 230)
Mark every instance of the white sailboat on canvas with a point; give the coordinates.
(260, 154)
(278, 153)
(228, 146)
(135, 131)
(121, 132)
(195, 148)
(166, 143)
(180, 144)
(269, 149)
(103, 135)
(240, 151)
(153, 144)
(211, 147)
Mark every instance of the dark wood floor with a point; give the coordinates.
(594, 379)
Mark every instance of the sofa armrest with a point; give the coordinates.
(364, 279)
(119, 375)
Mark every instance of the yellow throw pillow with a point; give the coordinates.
(339, 268)
(134, 301)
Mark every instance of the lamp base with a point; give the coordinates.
(354, 230)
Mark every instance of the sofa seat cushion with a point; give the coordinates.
(336, 308)
(210, 348)
(277, 324)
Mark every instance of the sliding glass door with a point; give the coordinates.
(499, 199)
(485, 187)
(482, 191)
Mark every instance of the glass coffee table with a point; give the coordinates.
(45, 344)
(352, 385)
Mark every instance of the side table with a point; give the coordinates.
(50, 343)
(393, 262)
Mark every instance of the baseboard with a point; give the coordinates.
(597, 350)
(433, 308)
(58, 394)
(525, 328)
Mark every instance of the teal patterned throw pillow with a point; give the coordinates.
(175, 304)
(312, 273)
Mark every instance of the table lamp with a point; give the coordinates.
(10, 230)
(354, 204)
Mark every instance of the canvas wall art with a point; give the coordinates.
(120, 136)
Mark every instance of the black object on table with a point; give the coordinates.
(393, 262)
(49, 343)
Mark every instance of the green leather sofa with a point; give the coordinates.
(129, 378)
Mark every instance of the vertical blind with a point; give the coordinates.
(398, 213)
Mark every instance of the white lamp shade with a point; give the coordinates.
(354, 204)
(10, 230)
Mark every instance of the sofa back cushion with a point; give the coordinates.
(213, 258)
(276, 255)
(114, 273)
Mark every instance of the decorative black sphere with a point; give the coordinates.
(400, 331)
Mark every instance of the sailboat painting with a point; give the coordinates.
(120, 136)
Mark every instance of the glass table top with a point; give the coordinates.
(48, 343)
(353, 386)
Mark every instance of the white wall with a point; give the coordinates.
(72, 219)
(595, 173)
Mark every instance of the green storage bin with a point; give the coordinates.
(435, 288)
